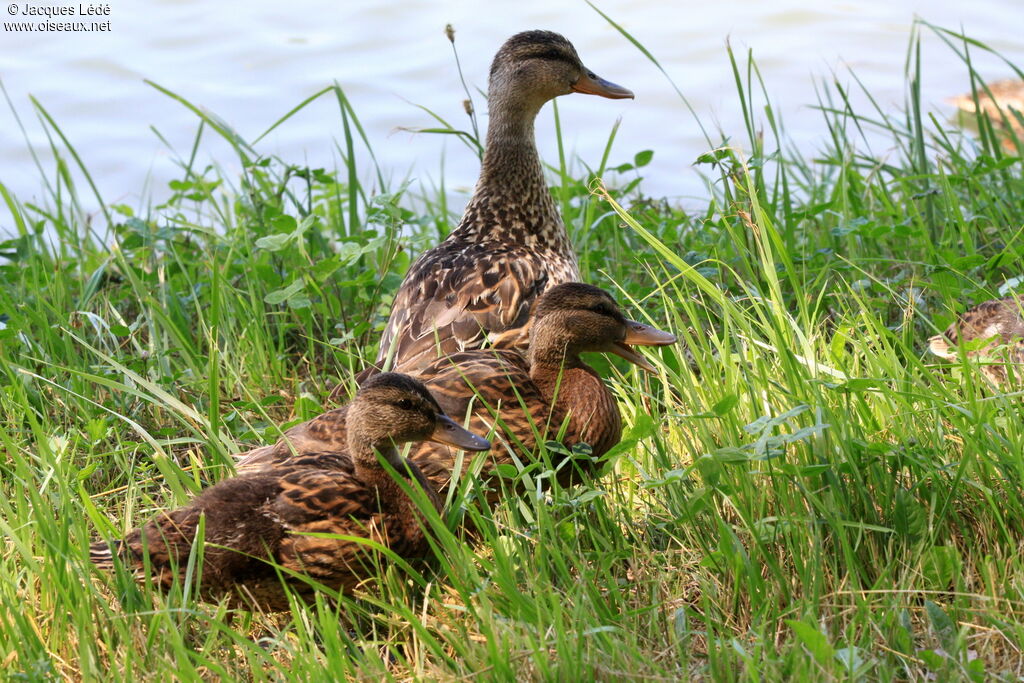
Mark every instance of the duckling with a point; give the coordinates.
(550, 393)
(1001, 321)
(260, 524)
(478, 285)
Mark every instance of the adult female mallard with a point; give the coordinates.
(511, 246)
(1001, 322)
(300, 516)
(549, 394)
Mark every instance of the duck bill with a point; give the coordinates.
(451, 434)
(638, 334)
(592, 84)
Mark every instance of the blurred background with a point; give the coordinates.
(251, 62)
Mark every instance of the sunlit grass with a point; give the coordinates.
(804, 492)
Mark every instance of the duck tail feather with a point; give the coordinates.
(940, 346)
(101, 553)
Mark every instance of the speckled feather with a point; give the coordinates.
(511, 246)
(259, 520)
(498, 390)
(1001, 321)
(495, 389)
(258, 524)
(524, 403)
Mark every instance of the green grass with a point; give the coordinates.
(805, 495)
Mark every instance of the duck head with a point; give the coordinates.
(536, 66)
(391, 409)
(573, 318)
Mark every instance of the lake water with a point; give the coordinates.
(250, 62)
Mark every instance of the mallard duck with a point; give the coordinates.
(1001, 99)
(477, 286)
(258, 524)
(1001, 321)
(550, 393)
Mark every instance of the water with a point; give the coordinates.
(251, 62)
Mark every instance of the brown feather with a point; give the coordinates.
(1001, 321)
(259, 524)
(551, 396)
(511, 245)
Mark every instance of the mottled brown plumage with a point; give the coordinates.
(258, 524)
(551, 394)
(1001, 322)
(511, 245)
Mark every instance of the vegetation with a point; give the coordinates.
(802, 491)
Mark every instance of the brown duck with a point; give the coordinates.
(1000, 321)
(478, 285)
(549, 394)
(258, 524)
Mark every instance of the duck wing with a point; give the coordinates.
(239, 538)
(463, 296)
(326, 513)
(493, 389)
(1001, 321)
(319, 443)
(303, 520)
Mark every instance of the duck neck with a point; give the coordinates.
(573, 389)
(511, 202)
(511, 141)
(371, 473)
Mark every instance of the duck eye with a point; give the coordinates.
(550, 54)
(405, 404)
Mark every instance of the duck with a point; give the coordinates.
(998, 99)
(477, 286)
(521, 400)
(1001, 322)
(296, 520)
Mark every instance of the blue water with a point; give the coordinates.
(250, 62)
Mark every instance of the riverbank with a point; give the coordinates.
(804, 494)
